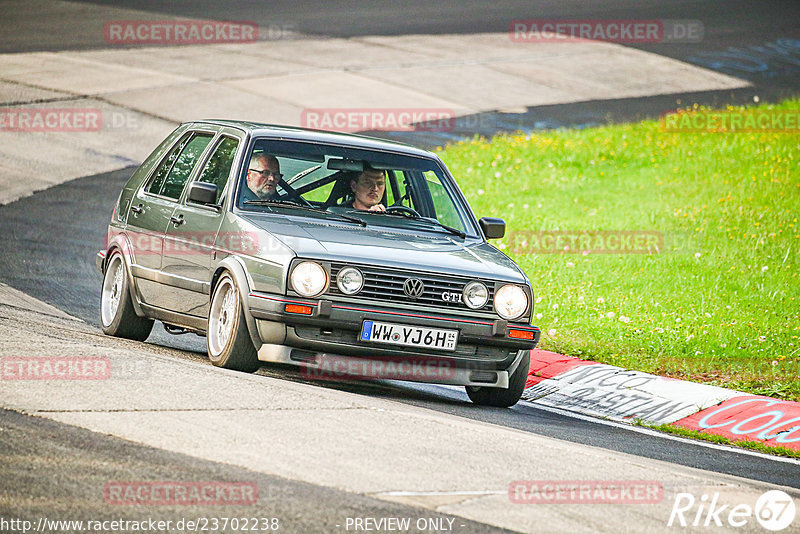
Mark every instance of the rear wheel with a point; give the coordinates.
(228, 341)
(503, 397)
(116, 306)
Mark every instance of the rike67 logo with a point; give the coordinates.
(774, 510)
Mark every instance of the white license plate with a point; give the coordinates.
(409, 336)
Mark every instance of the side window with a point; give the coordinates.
(218, 168)
(176, 179)
(445, 210)
(157, 182)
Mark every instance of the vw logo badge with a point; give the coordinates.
(413, 288)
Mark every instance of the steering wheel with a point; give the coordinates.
(411, 212)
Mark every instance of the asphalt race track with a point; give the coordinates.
(48, 242)
(61, 449)
(757, 41)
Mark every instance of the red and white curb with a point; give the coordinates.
(618, 394)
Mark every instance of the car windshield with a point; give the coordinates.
(379, 188)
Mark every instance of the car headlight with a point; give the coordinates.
(309, 278)
(349, 280)
(475, 295)
(510, 302)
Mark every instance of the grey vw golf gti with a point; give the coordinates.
(345, 255)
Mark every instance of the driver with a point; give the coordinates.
(263, 175)
(368, 188)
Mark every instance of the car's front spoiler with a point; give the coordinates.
(333, 328)
(326, 366)
(99, 258)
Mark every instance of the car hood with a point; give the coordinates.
(376, 245)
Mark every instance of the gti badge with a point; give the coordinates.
(451, 297)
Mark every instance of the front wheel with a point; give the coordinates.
(503, 397)
(116, 306)
(228, 341)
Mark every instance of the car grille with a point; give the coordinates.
(387, 285)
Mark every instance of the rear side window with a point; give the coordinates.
(157, 182)
(176, 179)
(171, 175)
(218, 168)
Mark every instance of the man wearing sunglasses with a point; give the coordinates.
(263, 175)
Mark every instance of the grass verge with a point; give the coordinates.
(714, 294)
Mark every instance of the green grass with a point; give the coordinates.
(719, 303)
(713, 438)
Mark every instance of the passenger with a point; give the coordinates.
(368, 188)
(263, 175)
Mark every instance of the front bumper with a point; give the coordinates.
(485, 354)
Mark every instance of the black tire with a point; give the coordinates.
(227, 340)
(117, 315)
(501, 397)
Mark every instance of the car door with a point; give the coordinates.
(152, 209)
(148, 215)
(190, 240)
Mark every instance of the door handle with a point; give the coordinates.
(137, 209)
(177, 221)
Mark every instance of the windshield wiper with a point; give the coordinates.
(450, 229)
(408, 215)
(295, 205)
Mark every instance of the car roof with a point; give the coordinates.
(305, 134)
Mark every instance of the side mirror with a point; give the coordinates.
(493, 228)
(203, 193)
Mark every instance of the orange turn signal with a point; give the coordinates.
(521, 334)
(298, 308)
